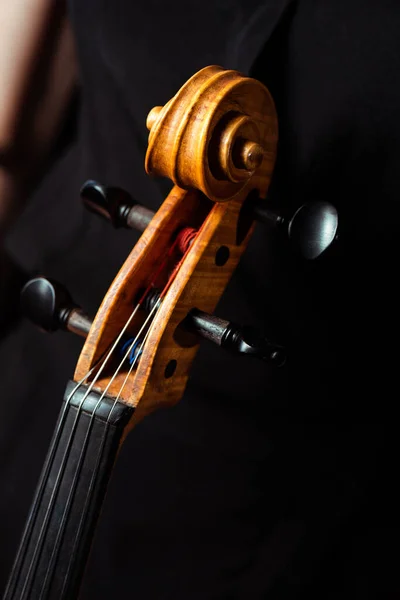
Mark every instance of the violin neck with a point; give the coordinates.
(56, 541)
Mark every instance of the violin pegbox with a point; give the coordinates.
(216, 139)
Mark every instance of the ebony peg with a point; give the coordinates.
(49, 305)
(312, 228)
(237, 339)
(115, 205)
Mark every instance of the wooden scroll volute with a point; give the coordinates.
(216, 139)
(214, 133)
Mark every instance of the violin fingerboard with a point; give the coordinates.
(56, 542)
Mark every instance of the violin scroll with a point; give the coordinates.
(214, 135)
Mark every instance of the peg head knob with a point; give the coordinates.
(253, 344)
(112, 203)
(313, 228)
(46, 303)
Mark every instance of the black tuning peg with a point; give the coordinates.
(49, 305)
(226, 334)
(237, 339)
(115, 205)
(312, 228)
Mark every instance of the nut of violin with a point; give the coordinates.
(218, 133)
(153, 116)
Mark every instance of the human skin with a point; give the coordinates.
(37, 76)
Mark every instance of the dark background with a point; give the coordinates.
(259, 484)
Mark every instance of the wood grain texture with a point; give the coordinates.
(216, 138)
(192, 137)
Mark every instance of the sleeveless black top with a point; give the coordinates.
(259, 484)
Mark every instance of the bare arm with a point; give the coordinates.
(37, 76)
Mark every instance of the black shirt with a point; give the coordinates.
(259, 484)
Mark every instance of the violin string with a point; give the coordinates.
(139, 304)
(142, 343)
(50, 506)
(74, 483)
(99, 456)
(136, 339)
(150, 317)
(154, 309)
(41, 487)
(57, 482)
(108, 422)
(160, 299)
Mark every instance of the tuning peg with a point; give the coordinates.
(312, 228)
(240, 340)
(115, 205)
(228, 335)
(49, 305)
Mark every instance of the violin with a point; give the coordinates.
(216, 139)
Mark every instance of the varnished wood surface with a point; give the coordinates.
(180, 208)
(216, 137)
(199, 284)
(192, 137)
